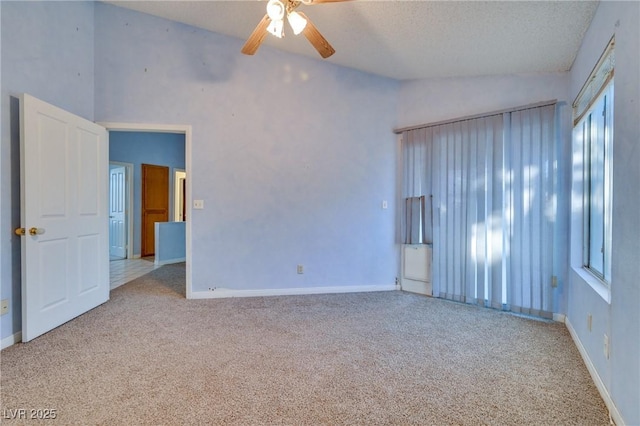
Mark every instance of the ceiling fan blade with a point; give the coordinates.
(256, 37)
(316, 39)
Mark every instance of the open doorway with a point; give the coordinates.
(180, 200)
(184, 190)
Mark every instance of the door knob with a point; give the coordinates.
(36, 231)
(20, 231)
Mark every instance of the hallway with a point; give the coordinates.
(125, 270)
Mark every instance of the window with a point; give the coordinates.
(415, 226)
(594, 128)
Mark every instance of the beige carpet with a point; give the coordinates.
(149, 356)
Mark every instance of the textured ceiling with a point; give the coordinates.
(412, 39)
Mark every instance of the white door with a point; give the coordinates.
(117, 213)
(64, 196)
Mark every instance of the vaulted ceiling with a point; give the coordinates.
(411, 39)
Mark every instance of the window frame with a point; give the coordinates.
(598, 88)
(601, 138)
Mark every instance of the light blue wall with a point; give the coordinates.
(620, 319)
(47, 51)
(437, 99)
(9, 327)
(170, 242)
(160, 149)
(292, 156)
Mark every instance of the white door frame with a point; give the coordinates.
(128, 203)
(168, 128)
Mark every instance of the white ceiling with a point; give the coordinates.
(412, 39)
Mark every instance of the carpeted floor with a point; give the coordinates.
(149, 356)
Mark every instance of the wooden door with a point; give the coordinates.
(155, 203)
(65, 228)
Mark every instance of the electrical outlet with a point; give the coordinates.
(198, 204)
(4, 306)
(606, 346)
(301, 269)
(589, 322)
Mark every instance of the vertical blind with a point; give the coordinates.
(491, 181)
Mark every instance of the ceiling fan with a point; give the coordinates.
(273, 22)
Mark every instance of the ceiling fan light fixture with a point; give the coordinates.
(275, 10)
(297, 22)
(276, 28)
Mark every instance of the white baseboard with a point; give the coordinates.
(12, 340)
(419, 287)
(220, 293)
(169, 261)
(614, 414)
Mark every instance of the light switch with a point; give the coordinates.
(198, 204)
(384, 204)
